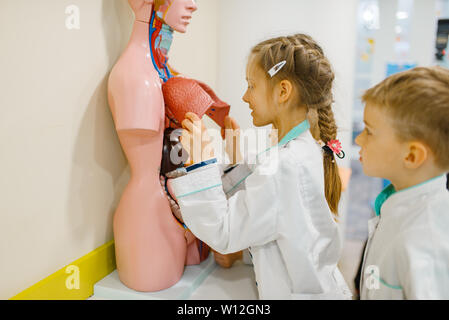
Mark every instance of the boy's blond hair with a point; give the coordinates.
(417, 102)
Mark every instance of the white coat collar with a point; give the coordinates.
(389, 198)
(294, 133)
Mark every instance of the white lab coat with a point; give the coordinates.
(407, 254)
(278, 212)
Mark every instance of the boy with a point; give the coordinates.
(406, 140)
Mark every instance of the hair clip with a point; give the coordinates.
(275, 69)
(333, 146)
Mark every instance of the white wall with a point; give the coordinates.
(195, 53)
(384, 39)
(422, 36)
(63, 170)
(423, 32)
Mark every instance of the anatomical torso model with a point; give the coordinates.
(151, 246)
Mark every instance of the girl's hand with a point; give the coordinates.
(231, 134)
(173, 204)
(227, 260)
(195, 139)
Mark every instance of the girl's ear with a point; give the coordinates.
(285, 91)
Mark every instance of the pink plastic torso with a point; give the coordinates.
(150, 245)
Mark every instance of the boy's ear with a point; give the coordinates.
(285, 90)
(418, 153)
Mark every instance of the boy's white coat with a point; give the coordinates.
(408, 245)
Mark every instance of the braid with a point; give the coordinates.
(328, 131)
(326, 123)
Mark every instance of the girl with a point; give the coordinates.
(285, 217)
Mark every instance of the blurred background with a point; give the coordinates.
(63, 168)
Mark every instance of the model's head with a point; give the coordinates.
(142, 9)
(175, 13)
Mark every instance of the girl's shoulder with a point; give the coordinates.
(303, 150)
(302, 154)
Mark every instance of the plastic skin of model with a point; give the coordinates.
(151, 245)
